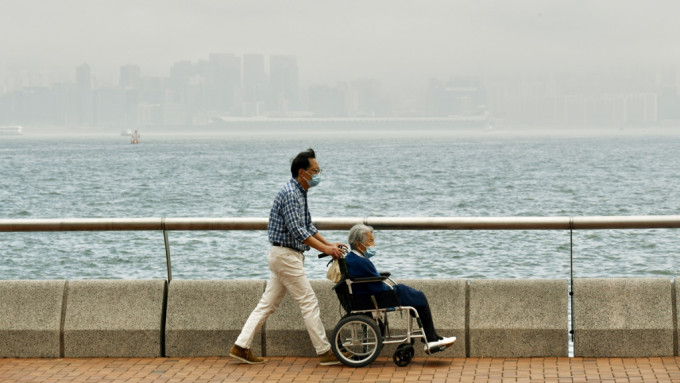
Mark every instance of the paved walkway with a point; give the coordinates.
(294, 369)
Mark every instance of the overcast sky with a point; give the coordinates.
(343, 39)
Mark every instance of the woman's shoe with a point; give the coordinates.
(439, 345)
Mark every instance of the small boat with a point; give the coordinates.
(134, 137)
(12, 130)
(126, 132)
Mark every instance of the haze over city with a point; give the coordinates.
(402, 45)
(341, 40)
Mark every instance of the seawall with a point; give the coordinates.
(490, 318)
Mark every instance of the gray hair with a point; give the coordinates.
(358, 233)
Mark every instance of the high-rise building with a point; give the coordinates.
(84, 96)
(254, 84)
(283, 75)
(180, 74)
(130, 77)
(222, 74)
(254, 78)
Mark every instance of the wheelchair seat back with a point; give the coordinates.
(361, 302)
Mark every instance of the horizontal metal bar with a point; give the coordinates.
(627, 222)
(81, 224)
(471, 223)
(344, 223)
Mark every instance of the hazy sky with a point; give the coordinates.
(343, 39)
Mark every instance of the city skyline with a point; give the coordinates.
(215, 90)
(390, 41)
(82, 62)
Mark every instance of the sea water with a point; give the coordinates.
(380, 173)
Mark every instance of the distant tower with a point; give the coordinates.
(83, 78)
(222, 74)
(84, 96)
(283, 73)
(130, 77)
(254, 77)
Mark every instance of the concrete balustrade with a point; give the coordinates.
(623, 317)
(205, 317)
(114, 318)
(495, 318)
(30, 318)
(518, 318)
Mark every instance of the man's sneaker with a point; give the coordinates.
(328, 359)
(245, 355)
(439, 345)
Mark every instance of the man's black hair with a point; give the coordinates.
(301, 161)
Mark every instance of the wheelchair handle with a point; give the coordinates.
(324, 255)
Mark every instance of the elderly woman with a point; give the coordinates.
(359, 265)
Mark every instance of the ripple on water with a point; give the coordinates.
(467, 176)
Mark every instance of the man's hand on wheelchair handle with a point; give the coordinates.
(335, 250)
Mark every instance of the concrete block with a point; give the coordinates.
(204, 318)
(114, 318)
(285, 332)
(447, 304)
(619, 317)
(676, 319)
(518, 318)
(30, 318)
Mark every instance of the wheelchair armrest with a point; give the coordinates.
(385, 274)
(368, 279)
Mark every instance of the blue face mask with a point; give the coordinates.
(369, 252)
(316, 178)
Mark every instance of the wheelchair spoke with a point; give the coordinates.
(356, 341)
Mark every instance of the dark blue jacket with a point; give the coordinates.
(360, 267)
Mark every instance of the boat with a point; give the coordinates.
(126, 132)
(12, 130)
(134, 137)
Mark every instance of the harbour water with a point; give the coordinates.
(379, 173)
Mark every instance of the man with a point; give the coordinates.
(291, 233)
(359, 265)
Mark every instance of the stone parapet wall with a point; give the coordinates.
(491, 318)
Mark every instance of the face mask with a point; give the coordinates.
(370, 252)
(316, 178)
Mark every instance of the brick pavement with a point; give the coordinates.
(297, 369)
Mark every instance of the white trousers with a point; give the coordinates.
(287, 274)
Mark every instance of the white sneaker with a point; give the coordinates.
(439, 345)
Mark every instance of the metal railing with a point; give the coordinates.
(379, 223)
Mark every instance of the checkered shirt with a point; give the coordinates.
(289, 220)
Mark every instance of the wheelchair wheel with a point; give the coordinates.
(356, 341)
(404, 354)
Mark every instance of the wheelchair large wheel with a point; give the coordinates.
(356, 341)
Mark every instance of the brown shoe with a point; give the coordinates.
(245, 355)
(328, 359)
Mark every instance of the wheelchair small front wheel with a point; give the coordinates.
(356, 341)
(404, 354)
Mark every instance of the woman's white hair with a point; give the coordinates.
(358, 233)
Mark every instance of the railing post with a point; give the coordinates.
(571, 274)
(167, 250)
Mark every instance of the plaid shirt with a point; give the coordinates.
(289, 220)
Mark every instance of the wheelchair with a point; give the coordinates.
(361, 333)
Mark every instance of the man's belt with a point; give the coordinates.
(278, 244)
